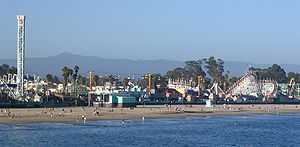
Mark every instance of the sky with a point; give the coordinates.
(258, 31)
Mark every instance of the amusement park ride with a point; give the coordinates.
(247, 85)
(14, 84)
(250, 85)
(8, 85)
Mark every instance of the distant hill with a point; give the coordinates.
(54, 64)
(239, 68)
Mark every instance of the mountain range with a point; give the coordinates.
(54, 64)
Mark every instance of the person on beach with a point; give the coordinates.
(83, 118)
(9, 114)
(96, 112)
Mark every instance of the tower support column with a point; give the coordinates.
(20, 55)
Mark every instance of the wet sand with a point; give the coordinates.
(81, 114)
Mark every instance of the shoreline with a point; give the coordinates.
(82, 114)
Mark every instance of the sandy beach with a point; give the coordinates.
(81, 114)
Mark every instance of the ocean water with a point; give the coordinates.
(252, 130)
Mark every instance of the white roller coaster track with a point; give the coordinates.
(11, 93)
(262, 87)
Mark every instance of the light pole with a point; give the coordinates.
(90, 85)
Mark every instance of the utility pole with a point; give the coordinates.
(199, 85)
(90, 92)
(149, 84)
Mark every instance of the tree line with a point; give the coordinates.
(209, 70)
(5, 69)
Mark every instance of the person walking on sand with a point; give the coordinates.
(96, 112)
(176, 109)
(83, 118)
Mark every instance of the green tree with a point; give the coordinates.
(233, 79)
(278, 73)
(293, 75)
(56, 79)
(12, 70)
(177, 73)
(96, 79)
(142, 82)
(75, 75)
(82, 80)
(215, 68)
(49, 78)
(66, 73)
(158, 81)
(194, 69)
(274, 72)
(6, 69)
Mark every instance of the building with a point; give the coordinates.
(115, 100)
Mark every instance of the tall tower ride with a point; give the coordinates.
(20, 54)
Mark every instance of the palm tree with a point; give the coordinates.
(76, 69)
(75, 76)
(66, 72)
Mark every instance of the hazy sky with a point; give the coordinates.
(261, 31)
